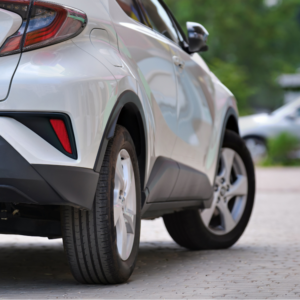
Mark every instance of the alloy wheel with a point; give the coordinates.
(124, 204)
(230, 195)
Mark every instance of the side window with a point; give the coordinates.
(158, 18)
(130, 8)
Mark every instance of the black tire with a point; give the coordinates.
(90, 236)
(186, 227)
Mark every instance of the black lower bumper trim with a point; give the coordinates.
(21, 182)
(29, 227)
(74, 185)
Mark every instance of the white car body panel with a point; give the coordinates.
(9, 24)
(48, 80)
(7, 66)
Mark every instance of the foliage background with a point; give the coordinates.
(251, 44)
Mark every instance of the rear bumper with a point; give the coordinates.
(21, 182)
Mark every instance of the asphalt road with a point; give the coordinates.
(265, 263)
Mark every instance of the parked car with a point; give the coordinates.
(257, 129)
(109, 116)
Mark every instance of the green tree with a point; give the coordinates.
(254, 41)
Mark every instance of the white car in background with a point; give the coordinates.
(257, 129)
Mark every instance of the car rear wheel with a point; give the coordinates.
(102, 244)
(223, 224)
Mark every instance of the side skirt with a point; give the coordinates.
(173, 186)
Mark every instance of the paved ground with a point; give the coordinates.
(265, 263)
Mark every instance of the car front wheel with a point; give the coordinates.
(224, 222)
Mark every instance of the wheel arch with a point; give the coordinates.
(130, 117)
(127, 112)
(231, 121)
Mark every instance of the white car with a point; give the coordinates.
(108, 116)
(257, 129)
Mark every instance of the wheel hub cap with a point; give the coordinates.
(223, 191)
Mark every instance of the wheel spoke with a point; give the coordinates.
(119, 175)
(238, 188)
(129, 218)
(228, 156)
(117, 212)
(207, 214)
(122, 236)
(130, 191)
(127, 178)
(226, 217)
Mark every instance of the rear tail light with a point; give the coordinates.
(50, 24)
(14, 43)
(44, 24)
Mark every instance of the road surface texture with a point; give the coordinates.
(265, 263)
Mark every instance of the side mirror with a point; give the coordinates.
(197, 35)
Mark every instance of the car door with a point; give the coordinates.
(195, 104)
(194, 116)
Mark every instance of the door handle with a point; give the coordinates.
(178, 62)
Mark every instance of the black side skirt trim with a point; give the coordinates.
(173, 181)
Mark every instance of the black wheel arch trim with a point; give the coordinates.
(127, 97)
(231, 113)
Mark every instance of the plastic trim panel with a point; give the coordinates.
(21, 182)
(39, 122)
(125, 98)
